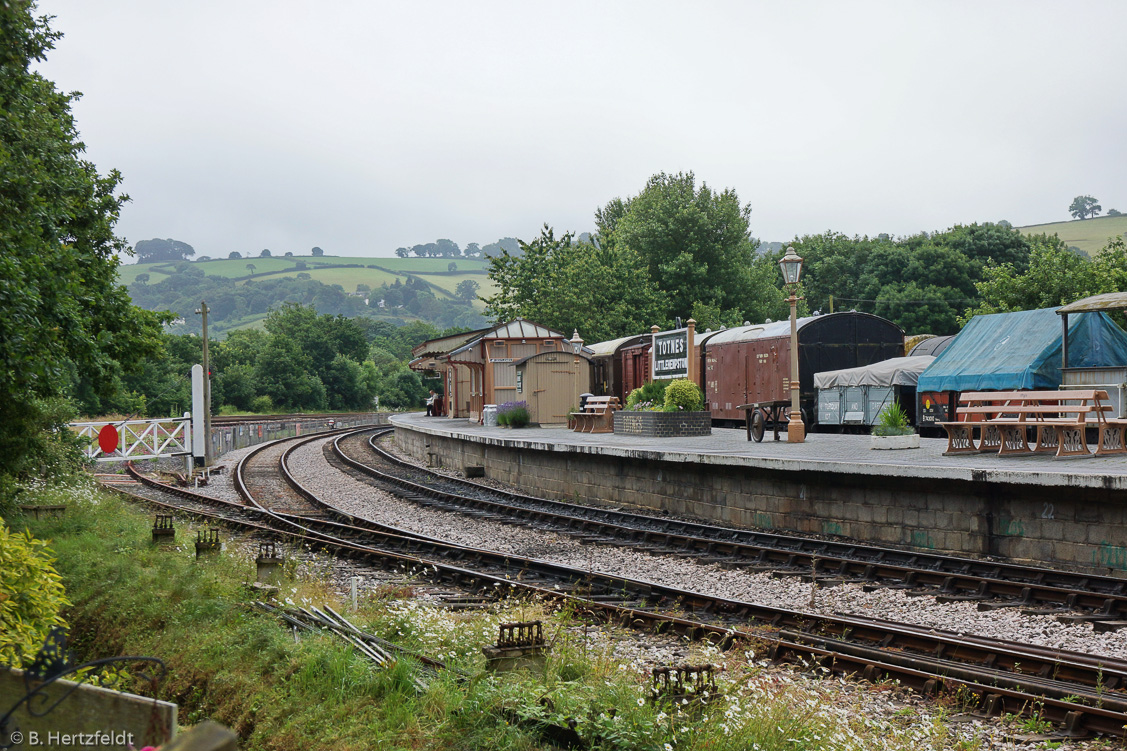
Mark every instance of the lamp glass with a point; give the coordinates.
(791, 266)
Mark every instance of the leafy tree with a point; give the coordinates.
(151, 251)
(566, 286)
(265, 253)
(142, 278)
(317, 252)
(451, 266)
(1055, 276)
(402, 252)
(234, 255)
(284, 372)
(251, 268)
(1083, 207)
(695, 243)
(510, 244)
(467, 289)
(445, 248)
(472, 250)
(920, 282)
(61, 310)
(1114, 212)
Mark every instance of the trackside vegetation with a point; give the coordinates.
(234, 664)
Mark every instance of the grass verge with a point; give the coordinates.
(233, 664)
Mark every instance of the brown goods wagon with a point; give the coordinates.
(751, 364)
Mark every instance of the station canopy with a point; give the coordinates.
(897, 371)
(1022, 350)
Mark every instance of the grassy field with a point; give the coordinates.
(433, 270)
(1089, 235)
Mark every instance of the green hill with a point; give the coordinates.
(345, 271)
(1089, 235)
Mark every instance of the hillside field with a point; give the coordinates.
(332, 270)
(1089, 235)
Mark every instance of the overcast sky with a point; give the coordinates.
(360, 127)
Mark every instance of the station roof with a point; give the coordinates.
(521, 329)
(1110, 301)
(444, 344)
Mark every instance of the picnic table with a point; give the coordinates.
(1059, 420)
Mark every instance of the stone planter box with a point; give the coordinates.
(663, 424)
(894, 441)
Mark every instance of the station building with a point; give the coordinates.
(511, 362)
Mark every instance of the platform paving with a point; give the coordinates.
(822, 452)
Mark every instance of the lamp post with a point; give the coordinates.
(576, 344)
(791, 266)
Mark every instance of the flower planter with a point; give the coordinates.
(663, 424)
(888, 442)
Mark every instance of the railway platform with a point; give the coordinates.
(1069, 513)
(822, 452)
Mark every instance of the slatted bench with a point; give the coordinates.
(1003, 418)
(597, 415)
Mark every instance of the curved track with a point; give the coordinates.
(992, 584)
(1077, 690)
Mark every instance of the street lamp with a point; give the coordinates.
(576, 344)
(791, 266)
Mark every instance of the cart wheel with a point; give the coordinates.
(757, 426)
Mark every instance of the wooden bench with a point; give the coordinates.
(597, 415)
(1003, 419)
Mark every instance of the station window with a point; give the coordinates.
(549, 344)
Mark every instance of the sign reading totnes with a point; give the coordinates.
(670, 355)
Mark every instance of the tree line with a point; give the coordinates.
(231, 301)
(678, 250)
(445, 248)
(299, 361)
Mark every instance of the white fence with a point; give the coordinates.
(138, 439)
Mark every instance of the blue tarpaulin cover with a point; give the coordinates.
(1021, 350)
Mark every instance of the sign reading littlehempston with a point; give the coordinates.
(670, 354)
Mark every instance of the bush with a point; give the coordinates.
(31, 596)
(682, 395)
(513, 414)
(262, 405)
(649, 397)
(892, 420)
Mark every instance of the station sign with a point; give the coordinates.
(670, 354)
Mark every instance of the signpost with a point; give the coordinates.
(673, 352)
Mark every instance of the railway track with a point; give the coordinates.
(1082, 693)
(992, 584)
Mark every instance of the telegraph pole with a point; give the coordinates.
(202, 312)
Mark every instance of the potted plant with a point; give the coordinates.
(892, 430)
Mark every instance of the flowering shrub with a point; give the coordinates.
(683, 395)
(513, 414)
(649, 397)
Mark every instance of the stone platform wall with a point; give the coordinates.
(1079, 529)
